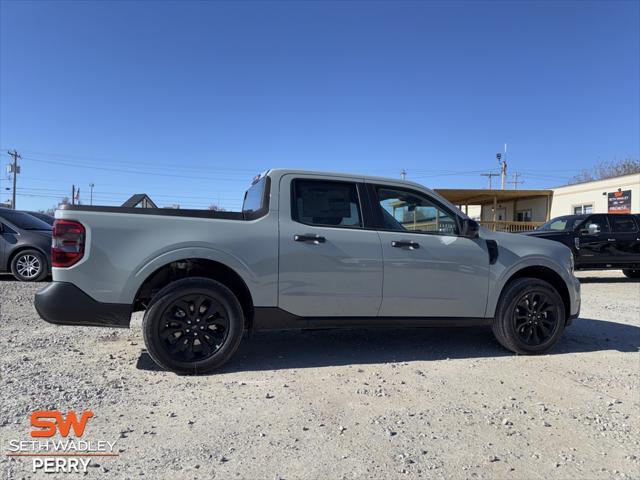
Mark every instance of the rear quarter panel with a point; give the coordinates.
(122, 250)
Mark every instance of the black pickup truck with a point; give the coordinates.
(598, 241)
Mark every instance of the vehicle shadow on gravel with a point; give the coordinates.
(323, 348)
(7, 277)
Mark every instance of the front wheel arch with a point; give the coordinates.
(542, 273)
(530, 317)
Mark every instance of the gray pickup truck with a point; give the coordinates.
(308, 250)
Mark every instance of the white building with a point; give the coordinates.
(612, 195)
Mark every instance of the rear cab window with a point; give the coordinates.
(256, 197)
(326, 203)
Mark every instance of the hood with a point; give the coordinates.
(523, 244)
(545, 234)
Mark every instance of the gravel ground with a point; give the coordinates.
(406, 403)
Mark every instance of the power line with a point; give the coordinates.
(135, 172)
(490, 175)
(102, 160)
(515, 181)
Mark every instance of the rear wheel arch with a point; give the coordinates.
(195, 267)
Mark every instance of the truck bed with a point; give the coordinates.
(170, 212)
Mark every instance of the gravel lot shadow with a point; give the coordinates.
(319, 348)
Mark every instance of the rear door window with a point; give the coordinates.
(622, 224)
(326, 203)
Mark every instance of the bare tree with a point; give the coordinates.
(217, 208)
(607, 169)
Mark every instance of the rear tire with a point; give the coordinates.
(193, 326)
(29, 266)
(631, 273)
(530, 317)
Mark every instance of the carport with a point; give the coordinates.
(504, 210)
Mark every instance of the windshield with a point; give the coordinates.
(24, 221)
(254, 197)
(559, 224)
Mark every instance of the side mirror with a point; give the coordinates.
(470, 228)
(592, 229)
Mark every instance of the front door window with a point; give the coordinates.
(408, 211)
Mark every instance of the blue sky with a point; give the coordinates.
(188, 100)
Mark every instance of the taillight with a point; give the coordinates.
(67, 245)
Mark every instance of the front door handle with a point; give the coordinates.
(309, 238)
(611, 239)
(405, 244)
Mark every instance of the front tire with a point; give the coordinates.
(631, 273)
(29, 266)
(530, 317)
(193, 326)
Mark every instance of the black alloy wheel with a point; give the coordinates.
(530, 316)
(535, 318)
(195, 327)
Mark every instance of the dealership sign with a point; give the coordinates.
(619, 202)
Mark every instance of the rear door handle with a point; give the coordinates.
(611, 239)
(405, 244)
(309, 238)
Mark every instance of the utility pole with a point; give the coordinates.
(403, 174)
(91, 185)
(503, 166)
(490, 175)
(15, 169)
(515, 181)
(73, 194)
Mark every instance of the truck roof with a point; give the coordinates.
(284, 171)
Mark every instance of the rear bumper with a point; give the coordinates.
(63, 303)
